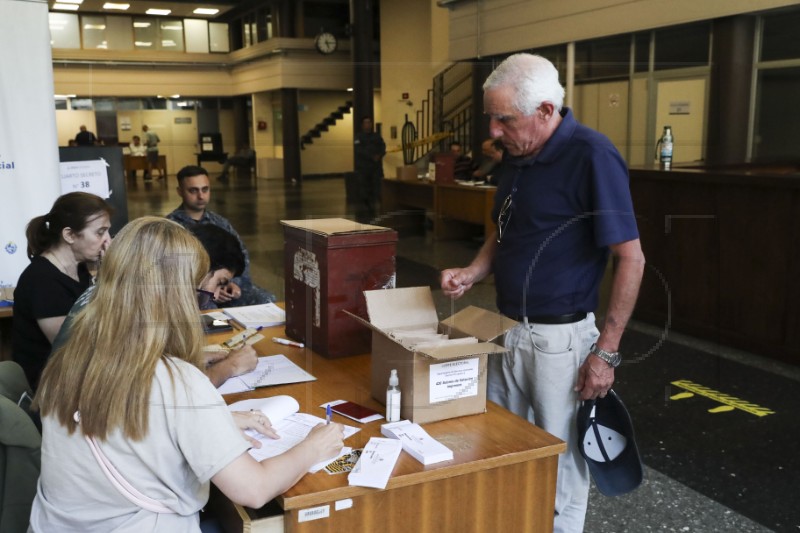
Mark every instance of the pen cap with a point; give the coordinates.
(394, 381)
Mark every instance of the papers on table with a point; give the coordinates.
(417, 443)
(270, 370)
(376, 463)
(256, 316)
(291, 426)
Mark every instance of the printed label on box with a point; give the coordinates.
(314, 513)
(453, 380)
(306, 270)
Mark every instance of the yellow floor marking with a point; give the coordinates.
(681, 396)
(729, 402)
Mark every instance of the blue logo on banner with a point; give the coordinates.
(11, 247)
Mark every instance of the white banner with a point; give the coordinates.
(29, 174)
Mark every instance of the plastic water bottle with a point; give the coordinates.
(393, 398)
(666, 142)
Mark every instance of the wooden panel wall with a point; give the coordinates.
(722, 256)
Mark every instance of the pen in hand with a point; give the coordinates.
(328, 414)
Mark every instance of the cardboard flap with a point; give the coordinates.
(462, 350)
(480, 323)
(332, 226)
(401, 308)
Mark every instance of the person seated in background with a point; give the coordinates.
(462, 164)
(227, 261)
(127, 390)
(137, 149)
(194, 188)
(85, 137)
(492, 156)
(245, 158)
(60, 244)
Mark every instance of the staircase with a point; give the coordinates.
(326, 123)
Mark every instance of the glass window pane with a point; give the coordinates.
(602, 58)
(81, 103)
(145, 33)
(128, 104)
(642, 52)
(218, 37)
(682, 46)
(64, 30)
(104, 104)
(119, 33)
(780, 39)
(196, 35)
(61, 103)
(171, 35)
(154, 103)
(94, 32)
(777, 126)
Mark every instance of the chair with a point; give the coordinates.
(20, 451)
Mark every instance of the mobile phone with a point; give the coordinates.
(215, 325)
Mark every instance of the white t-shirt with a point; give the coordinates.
(191, 437)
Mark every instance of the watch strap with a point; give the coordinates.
(612, 358)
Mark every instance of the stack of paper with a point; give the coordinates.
(417, 443)
(374, 467)
(270, 370)
(257, 316)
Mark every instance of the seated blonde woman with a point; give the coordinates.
(127, 388)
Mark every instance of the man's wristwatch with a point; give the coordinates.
(612, 358)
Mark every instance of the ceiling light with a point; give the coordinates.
(141, 24)
(112, 5)
(66, 7)
(79, 2)
(175, 96)
(94, 26)
(153, 11)
(205, 11)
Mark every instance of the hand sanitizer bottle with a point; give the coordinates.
(393, 398)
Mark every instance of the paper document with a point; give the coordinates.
(374, 467)
(292, 427)
(270, 370)
(255, 316)
(417, 443)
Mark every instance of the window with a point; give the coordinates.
(602, 58)
(171, 37)
(64, 30)
(682, 46)
(780, 38)
(94, 32)
(145, 34)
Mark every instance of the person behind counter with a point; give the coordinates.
(60, 244)
(126, 388)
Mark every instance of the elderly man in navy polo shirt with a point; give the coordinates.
(563, 205)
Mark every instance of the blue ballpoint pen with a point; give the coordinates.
(328, 414)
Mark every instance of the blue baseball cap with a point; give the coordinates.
(607, 442)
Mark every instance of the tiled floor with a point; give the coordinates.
(707, 469)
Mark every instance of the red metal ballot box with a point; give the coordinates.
(328, 264)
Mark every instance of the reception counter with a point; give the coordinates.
(723, 260)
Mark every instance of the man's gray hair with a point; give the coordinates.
(534, 80)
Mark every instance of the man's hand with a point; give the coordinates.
(595, 378)
(228, 292)
(456, 281)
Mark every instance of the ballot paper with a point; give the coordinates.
(417, 443)
(374, 467)
(292, 427)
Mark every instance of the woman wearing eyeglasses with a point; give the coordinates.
(125, 399)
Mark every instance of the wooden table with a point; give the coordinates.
(502, 477)
(130, 162)
(458, 204)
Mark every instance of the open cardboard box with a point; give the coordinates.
(437, 382)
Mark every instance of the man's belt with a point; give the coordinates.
(552, 319)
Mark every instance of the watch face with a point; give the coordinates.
(326, 43)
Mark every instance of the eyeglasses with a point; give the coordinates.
(204, 297)
(504, 216)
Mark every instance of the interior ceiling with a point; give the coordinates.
(179, 8)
